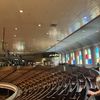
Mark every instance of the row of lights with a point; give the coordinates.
(21, 11)
(16, 28)
(21, 47)
(39, 25)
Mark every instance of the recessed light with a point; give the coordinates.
(14, 35)
(97, 31)
(47, 33)
(39, 25)
(21, 11)
(85, 17)
(16, 28)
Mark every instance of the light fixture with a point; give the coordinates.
(85, 17)
(47, 33)
(97, 31)
(39, 25)
(21, 11)
(16, 28)
(15, 35)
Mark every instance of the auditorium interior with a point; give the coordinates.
(49, 49)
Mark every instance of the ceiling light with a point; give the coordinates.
(85, 17)
(16, 28)
(97, 31)
(14, 35)
(47, 33)
(21, 11)
(39, 25)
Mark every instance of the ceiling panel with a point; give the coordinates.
(22, 30)
(87, 35)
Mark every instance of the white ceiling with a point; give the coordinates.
(30, 37)
(86, 36)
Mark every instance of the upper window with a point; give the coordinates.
(88, 56)
(72, 55)
(63, 58)
(68, 58)
(97, 54)
(79, 57)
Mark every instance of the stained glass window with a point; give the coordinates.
(63, 58)
(79, 57)
(72, 55)
(88, 56)
(97, 54)
(68, 58)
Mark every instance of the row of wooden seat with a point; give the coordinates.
(53, 92)
(44, 92)
(43, 83)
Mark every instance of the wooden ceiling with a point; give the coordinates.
(27, 23)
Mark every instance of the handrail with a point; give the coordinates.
(10, 87)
